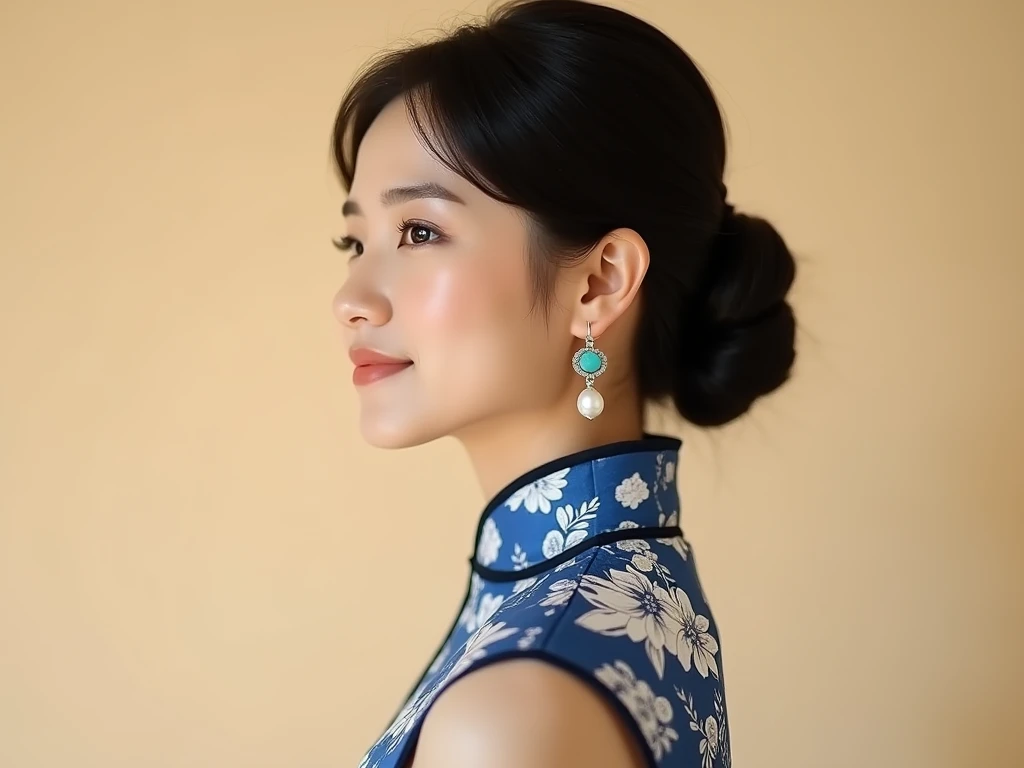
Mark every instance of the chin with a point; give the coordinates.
(417, 418)
(393, 433)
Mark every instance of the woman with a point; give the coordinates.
(540, 244)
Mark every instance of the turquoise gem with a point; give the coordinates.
(590, 362)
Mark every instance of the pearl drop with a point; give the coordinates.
(590, 403)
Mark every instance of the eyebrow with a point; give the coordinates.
(396, 195)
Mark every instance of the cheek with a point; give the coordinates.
(472, 330)
(465, 307)
(453, 301)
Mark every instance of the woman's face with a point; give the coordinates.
(444, 284)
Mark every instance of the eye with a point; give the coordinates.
(419, 233)
(349, 244)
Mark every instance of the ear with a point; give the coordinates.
(608, 281)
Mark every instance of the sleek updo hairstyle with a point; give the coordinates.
(590, 119)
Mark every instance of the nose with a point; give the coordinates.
(357, 303)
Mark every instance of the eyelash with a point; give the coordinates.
(346, 243)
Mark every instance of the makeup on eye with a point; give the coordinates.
(411, 225)
(351, 244)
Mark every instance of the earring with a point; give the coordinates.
(589, 362)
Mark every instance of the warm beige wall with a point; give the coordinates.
(200, 563)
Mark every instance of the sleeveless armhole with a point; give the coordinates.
(579, 673)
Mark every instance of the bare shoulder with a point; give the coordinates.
(524, 712)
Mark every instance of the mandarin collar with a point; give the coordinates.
(588, 498)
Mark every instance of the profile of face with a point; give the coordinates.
(445, 278)
(439, 276)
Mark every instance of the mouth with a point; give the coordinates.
(372, 372)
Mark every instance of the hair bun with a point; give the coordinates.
(739, 333)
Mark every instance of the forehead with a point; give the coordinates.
(392, 153)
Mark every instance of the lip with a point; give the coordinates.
(365, 356)
(373, 366)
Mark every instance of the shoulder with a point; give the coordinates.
(524, 711)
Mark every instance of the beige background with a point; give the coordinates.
(202, 565)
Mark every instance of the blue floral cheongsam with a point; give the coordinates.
(581, 563)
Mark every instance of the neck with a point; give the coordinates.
(502, 449)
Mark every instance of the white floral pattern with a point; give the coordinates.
(632, 491)
(528, 638)
(538, 495)
(490, 543)
(572, 527)
(694, 638)
(653, 713)
(519, 561)
(644, 558)
(629, 604)
(714, 743)
(559, 592)
(630, 613)
(480, 606)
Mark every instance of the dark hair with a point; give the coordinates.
(589, 119)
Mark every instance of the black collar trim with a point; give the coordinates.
(600, 540)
